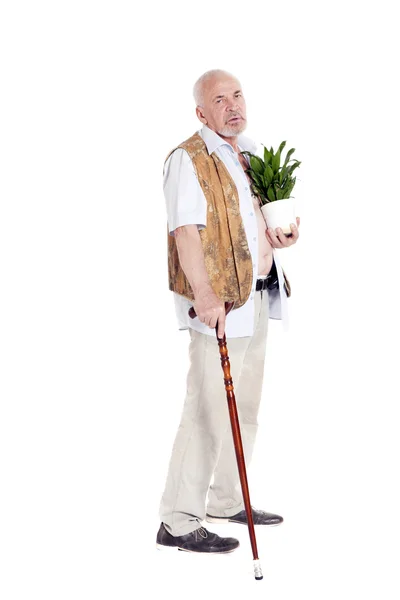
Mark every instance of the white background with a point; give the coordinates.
(94, 96)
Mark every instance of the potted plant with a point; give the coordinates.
(273, 184)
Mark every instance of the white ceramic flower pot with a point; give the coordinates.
(280, 214)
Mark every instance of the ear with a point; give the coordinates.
(200, 115)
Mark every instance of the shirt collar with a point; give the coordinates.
(214, 141)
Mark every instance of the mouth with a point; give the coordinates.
(235, 120)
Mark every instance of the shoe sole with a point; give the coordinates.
(219, 520)
(162, 548)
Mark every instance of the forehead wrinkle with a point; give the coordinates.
(223, 95)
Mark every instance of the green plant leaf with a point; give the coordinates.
(284, 173)
(281, 147)
(258, 190)
(290, 187)
(293, 167)
(288, 155)
(257, 164)
(258, 179)
(267, 156)
(268, 175)
(286, 188)
(271, 194)
(276, 161)
(279, 194)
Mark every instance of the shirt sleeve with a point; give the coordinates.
(185, 200)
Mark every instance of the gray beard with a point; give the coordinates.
(229, 131)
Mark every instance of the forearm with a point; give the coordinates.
(209, 308)
(191, 258)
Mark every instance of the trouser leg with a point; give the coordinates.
(225, 495)
(198, 442)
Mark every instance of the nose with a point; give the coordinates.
(232, 104)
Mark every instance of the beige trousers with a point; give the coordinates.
(203, 460)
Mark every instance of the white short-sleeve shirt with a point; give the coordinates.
(187, 205)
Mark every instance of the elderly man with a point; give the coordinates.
(218, 250)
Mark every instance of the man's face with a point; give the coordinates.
(224, 107)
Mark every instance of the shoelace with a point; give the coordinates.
(201, 532)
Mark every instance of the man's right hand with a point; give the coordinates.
(210, 309)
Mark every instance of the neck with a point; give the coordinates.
(232, 141)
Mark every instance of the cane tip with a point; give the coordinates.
(257, 570)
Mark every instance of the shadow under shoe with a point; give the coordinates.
(199, 540)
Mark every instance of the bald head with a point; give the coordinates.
(204, 82)
(220, 103)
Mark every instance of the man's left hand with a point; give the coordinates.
(278, 239)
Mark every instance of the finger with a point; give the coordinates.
(298, 221)
(221, 324)
(274, 240)
(212, 322)
(282, 238)
(197, 311)
(295, 233)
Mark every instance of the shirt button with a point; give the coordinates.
(246, 188)
(251, 214)
(251, 297)
(254, 239)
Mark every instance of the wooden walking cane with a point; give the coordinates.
(237, 438)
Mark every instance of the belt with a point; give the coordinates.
(270, 282)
